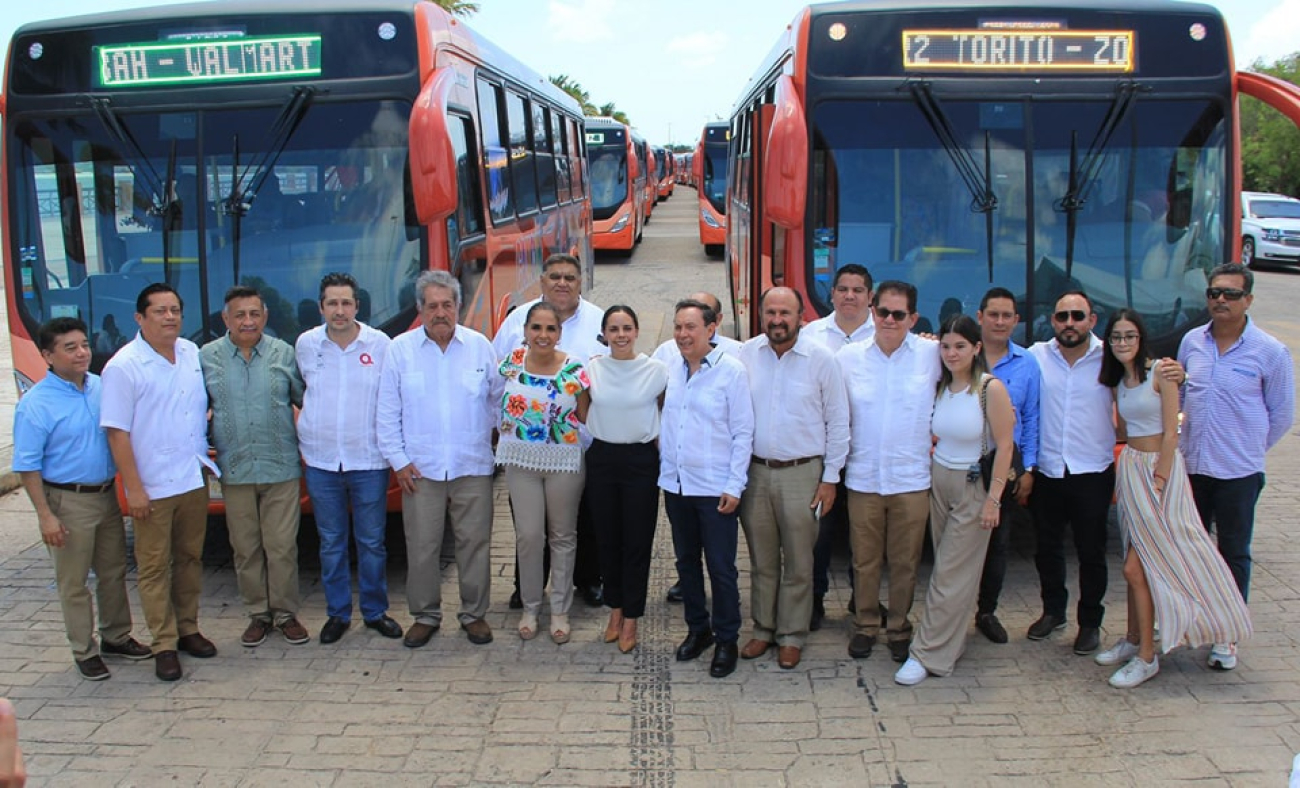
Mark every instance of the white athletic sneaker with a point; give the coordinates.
(912, 673)
(1223, 656)
(1134, 672)
(1118, 654)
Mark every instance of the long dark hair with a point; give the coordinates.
(965, 327)
(1112, 369)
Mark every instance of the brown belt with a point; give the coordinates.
(778, 464)
(80, 488)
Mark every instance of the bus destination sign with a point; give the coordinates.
(1097, 51)
(204, 62)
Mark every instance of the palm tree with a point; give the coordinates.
(608, 111)
(457, 7)
(563, 82)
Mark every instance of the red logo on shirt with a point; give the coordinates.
(366, 360)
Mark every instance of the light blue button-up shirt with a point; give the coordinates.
(56, 432)
(1019, 372)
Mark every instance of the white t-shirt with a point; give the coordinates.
(625, 398)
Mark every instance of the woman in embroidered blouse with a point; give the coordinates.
(545, 400)
(1175, 574)
(962, 513)
(623, 475)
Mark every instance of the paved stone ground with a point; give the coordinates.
(367, 711)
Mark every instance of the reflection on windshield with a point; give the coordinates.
(90, 237)
(715, 177)
(886, 195)
(608, 180)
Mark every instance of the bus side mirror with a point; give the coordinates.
(433, 159)
(785, 166)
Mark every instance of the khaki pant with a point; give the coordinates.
(886, 529)
(545, 508)
(169, 554)
(96, 540)
(960, 543)
(781, 531)
(263, 523)
(467, 502)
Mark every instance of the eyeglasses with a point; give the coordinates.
(1125, 339)
(899, 315)
(1230, 293)
(1077, 315)
(562, 277)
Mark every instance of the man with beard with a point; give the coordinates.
(801, 437)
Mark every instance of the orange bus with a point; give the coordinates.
(957, 147)
(268, 144)
(618, 191)
(650, 183)
(664, 163)
(710, 171)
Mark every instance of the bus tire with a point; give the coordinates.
(713, 250)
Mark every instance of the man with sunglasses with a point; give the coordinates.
(891, 383)
(1238, 402)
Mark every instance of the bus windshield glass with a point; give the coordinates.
(607, 151)
(715, 176)
(206, 199)
(1135, 220)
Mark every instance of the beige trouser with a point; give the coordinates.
(886, 528)
(263, 523)
(960, 543)
(169, 554)
(546, 507)
(96, 540)
(467, 501)
(781, 532)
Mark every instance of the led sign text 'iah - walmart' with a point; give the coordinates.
(207, 62)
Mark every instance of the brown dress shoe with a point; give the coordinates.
(92, 668)
(129, 648)
(419, 634)
(788, 657)
(255, 634)
(196, 645)
(294, 632)
(478, 631)
(167, 666)
(755, 648)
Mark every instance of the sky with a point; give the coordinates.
(673, 65)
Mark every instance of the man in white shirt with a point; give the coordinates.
(1075, 477)
(340, 362)
(155, 412)
(580, 327)
(849, 322)
(891, 385)
(705, 440)
(801, 437)
(437, 397)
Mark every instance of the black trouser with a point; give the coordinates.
(623, 498)
(995, 560)
(1080, 501)
(829, 528)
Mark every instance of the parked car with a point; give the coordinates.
(1270, 229)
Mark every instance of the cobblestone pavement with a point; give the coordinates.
(367, 711)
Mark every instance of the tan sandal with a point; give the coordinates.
(560, 629)
(528, 626)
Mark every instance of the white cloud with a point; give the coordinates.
(697, 50)
(1272, 37)
(580, 21)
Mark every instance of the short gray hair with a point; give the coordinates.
(436, 279)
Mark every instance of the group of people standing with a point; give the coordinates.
(851, 421)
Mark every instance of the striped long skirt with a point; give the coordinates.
(1196, 600)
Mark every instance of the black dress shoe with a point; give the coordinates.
(593, 595)
(693, 646)
(675, 593)
(92, 668)
(1045, 626)
(385, 626)
(334, 629)
(196, 645)
(860, 645)
(129, 648)
(1088, 641)
(991, 628)
(167, 666)
(819, 613)
(899, 650)
(516, 601)
(724, 660)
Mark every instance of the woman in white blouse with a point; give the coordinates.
(623, 469)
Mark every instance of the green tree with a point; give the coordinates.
(610, 111)
(1270, 142)
(457, 7)
(568, 85)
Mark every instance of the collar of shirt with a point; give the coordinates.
(1095, 347)
(1208, 332)
(1014, 352)
(426, 340)
(360, 338)
(67, 385)
(259, 349)
(908, 345)
(149, 355)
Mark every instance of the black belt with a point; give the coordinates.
(778, 464)
(80, 488)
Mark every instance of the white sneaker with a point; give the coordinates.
(1223, 656)
(1118, 654)
(1134, 672)
(911, 674)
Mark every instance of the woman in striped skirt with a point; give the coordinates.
(1174, 573)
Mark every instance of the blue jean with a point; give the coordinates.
(1227, 509)
(367, 492)
(698, 527)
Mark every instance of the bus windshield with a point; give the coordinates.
(206, 199)
(715, 176)
(1138, 226)
(608, 177)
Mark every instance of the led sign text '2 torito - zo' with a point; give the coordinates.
(1109, 51)
(205, 62)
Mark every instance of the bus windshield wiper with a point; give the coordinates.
(1084, 176)
(158, 193)
(978, 183)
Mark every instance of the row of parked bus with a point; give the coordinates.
(628, 178)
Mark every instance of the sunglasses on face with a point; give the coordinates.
(899, 315)
(562, 277)
(1230, 293)
(1065, 315)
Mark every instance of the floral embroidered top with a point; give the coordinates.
(539, 416)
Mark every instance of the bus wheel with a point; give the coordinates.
(713, 250)
(1247, 251)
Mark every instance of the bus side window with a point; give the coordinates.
(469, 203)
(562, 152)
(501, 202)
(542, 145)
(523, 164)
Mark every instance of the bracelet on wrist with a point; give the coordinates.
(996, 503)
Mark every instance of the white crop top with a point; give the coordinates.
(1140, 406)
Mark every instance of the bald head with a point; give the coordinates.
(707, 298)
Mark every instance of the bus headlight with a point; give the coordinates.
(621, 223)
(708, 219)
